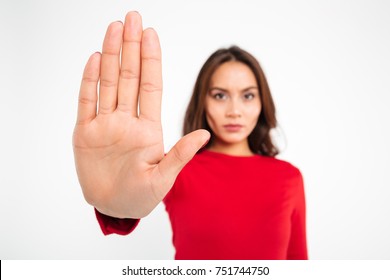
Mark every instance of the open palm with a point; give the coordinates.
(118, 140)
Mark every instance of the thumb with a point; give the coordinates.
(183, 151)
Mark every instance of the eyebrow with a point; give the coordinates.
(225, 90)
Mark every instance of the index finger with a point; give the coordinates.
(151, 77)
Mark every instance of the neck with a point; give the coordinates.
(236, 149)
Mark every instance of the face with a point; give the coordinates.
(232, 104)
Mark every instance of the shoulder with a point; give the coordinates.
(283, 165)
(284, 172)
(209, 160)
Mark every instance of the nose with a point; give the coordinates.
(233, 109)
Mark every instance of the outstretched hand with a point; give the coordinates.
(118, 139)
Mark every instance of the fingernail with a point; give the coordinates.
(205, 143)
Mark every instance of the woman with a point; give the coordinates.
(231, 199)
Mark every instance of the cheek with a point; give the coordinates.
(214, 116)
(211, 119)
(253, 113)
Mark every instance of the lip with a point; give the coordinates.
(233, 127)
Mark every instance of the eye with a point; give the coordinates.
(219, 96)
(249, 96)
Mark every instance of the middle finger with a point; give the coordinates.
(131, 63)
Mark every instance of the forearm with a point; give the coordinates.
(119, 226)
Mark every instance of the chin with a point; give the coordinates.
(233, 140)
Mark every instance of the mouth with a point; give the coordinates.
(233, 127)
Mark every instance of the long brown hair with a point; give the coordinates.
(260, 140)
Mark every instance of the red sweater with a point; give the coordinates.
(232, 207)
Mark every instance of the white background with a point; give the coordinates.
(328, 66)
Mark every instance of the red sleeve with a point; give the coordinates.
(297, 249)
(111, 225)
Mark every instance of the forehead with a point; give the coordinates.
(233, 74)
